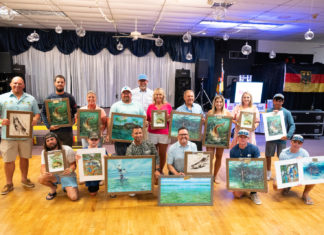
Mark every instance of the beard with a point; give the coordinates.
(59, 89)
(52, 147)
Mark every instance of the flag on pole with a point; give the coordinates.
(220, 82)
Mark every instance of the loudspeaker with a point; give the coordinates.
(5, 62)
(181, 84)
(201, 69)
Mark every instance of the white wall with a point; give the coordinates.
(307, 47)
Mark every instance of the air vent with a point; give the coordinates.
(237, 55)
(37, 12)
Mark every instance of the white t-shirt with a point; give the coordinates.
(145, 98)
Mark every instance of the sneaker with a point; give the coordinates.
(268, 175)
(255, 198)
(132, 194)
(28, 184)
(7, 189)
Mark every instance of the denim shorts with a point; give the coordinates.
(66, 181)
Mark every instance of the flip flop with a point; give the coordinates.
(307, 200)
(50, 196)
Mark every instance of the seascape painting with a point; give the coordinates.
(193, 122)
(179, 190)
(129, 174)
(217, 131)
(58, 112)
(91, 164)
(159, 119)
(122, 126)
(246, 175)
(312, 170)
(20, 124)
(88, 121)
(198, 163)
(55, 161)
(274, 125)
(287, 173)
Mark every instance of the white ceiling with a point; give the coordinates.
(175, 17)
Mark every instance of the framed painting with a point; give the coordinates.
(287, 173)
(20, 124)
(193, 122)
(185, 191)
(58, 112)
(274, 125)
(198, 163)
(55, 161)
(246, 120)
(217, 131)
(122, 126)
(312, 170)
(91, 164)
(159, 119)
(88, 121)
(129, 174)
(246, 174)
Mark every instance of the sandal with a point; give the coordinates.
(50, 196)
(307, 200)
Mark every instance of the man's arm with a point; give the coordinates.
(291, 125)
(73, 106)
(44, 116)
(173, 170)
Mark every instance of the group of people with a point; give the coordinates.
(139, 101)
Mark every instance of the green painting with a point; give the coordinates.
(58, 112)
(274, 125)
(217, 131)
(192, 122)
(88, 121)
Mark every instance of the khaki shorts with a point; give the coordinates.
(11, 148)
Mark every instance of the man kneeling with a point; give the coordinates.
(67, 178)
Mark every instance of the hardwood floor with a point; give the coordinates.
(25, 211)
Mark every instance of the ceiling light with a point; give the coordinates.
(186, 38)
(80, 31)
(309, 35)
(119, 46)
(40, 12)
(189, 56)
(219, 13)
(159, 42)
(33, 37)
(7, 14)
(240, 25)
(58, 29)
(272, 54)
(246, 49)
(225, 37)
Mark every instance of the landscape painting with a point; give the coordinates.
(246, 174)
(287, 173)
(88, 121)
(159, 119)
(247, 120)
(122, 126)
(312, 170)
(58, 112)
(185, 190)
(198, 163)
(91, 164)
(20, 124)
(129, 174)
(193, 122)
(55, 161)
(217, 131)
(274, 125)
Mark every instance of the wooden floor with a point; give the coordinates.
(25, 211)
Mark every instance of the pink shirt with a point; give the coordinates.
(151, 107)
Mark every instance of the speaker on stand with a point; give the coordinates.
(182, 83)
(201, 73)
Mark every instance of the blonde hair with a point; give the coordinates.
(249, 94)
(159, 90)
(91, 92)
(214, 102)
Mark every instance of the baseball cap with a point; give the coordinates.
(142, 76)
(298, 138)
(278, 96)
(126, 88)
(243, 132)
(50, 135)
(93, 135)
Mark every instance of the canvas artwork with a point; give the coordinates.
(88, 121)
(198, 163)
(287, 173)
(91, 164)
(217, 131)
(129, 174)
(274, 125)
(247, 120)
(312, 170)
(159, 119)
(20, 124)
(58, 112)
(193, 122)
(122, 126)
(182, 191)
(246, 174)
(55, 161)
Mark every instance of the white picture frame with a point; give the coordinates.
(287, 173)
(312, 170)
(274, 125)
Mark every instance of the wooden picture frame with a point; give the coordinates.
(246, 120)
(58, 112)
(240, 169)
(122, 124)
(159, 119)
(129, 174)
(274, 125)
(88, 121)
(192, 121)
(91, 164)
(217, 131)
(55, 159)
(20, 124)
(198, 163)
(189, 190)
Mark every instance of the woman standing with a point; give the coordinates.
(159, 137)
(247, 106)
(218, 109)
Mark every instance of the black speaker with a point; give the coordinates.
(201, 69)
(182, 83)
(5, 62)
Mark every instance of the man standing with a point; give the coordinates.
(65, 134)
(67, 178)
(176, 152)
(16, 99)
(142, 94)
(126, 106)
(271, 146)
(245, 150)
(190, 107)
(296, 151)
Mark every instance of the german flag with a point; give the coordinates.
(304, 78)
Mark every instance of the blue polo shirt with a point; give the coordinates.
(9, 101)
(250, 151)
(196, 108)
(132, 108)
(286, 154)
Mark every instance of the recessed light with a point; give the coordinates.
(20, 25)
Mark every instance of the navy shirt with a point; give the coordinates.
(250, 151)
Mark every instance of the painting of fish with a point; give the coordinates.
(58, 112)
(88, 121)
(217, 132)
